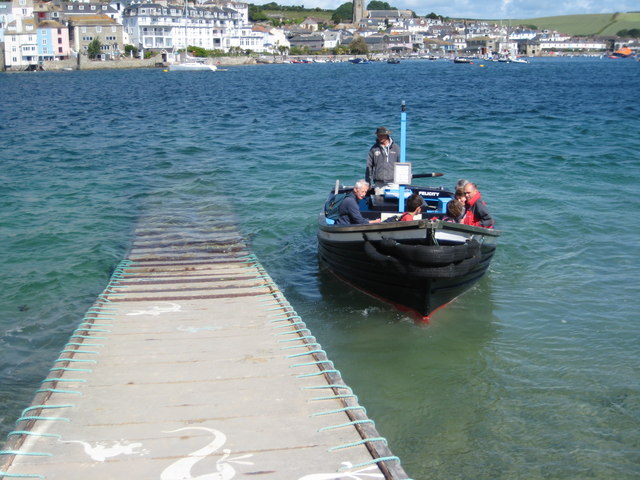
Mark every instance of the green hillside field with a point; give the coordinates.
(585, 25)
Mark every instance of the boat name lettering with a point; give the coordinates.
(428, 194)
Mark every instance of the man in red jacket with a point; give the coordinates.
(477, 212)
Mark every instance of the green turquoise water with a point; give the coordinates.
(534, 373)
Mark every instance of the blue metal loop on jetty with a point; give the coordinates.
(332, 397)
(79, 351)
(341, 410)
(43, 407)
(34, 434)
(294, 331)
(303, 337)
(63, 380)
(360, 442)
(48, 419)
(28, 454)
(57, 390)
(315, 374)
(20, 475)
(65, 369)
(302, 345)
(348, 424)
(319, 362)
(375, 461)
(71, 360)
(310, 352)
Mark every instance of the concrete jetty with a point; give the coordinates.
(192, 365)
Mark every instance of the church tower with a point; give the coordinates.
(358, 11)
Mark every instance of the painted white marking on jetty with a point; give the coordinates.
(157, 310)
(100, 452)
(181, 469)
(189, 329)
(355, 475)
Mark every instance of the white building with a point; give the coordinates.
(573, 45)
(211, 26)
(21, 43)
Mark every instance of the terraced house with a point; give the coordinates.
(87, 28)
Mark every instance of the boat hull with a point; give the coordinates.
(382, 260)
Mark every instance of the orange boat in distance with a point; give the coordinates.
(623, 52)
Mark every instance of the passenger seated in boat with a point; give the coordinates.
(477, 213)
(414, 207)
(462, 200)
(349, 210)
(454, 211)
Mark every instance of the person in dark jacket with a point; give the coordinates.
(477, 213)
(349, 210)
(381, 159)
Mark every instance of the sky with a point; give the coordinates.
(493, 9)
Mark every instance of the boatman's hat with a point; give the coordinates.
(383, 131)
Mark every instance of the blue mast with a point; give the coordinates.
(403, 152)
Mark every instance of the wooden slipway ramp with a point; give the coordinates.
(193, 365)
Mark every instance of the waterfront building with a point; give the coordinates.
(311, 42)
(21, 43)
(212, 26)
(86, 28)
(6, 16)
(573, 45)
(53, 41)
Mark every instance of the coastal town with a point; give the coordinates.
(58, 34)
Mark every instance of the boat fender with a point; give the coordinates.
(429, 255)
(385, 261)
(394, 265)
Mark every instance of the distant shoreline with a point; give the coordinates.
(125, 64)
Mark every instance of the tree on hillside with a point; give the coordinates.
(344, 13)
(358, 46)
(93, 49)
(633, 33)
(256, 14)
(378, 5)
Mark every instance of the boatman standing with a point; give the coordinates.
(382, 157)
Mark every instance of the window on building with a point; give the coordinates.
(98, 29)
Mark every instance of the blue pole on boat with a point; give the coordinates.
(403, 152)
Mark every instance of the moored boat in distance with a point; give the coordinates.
(192, 66)
(418, 266)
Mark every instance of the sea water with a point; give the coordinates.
(533, 373)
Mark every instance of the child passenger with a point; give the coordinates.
(414, 207)
(454, 211)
